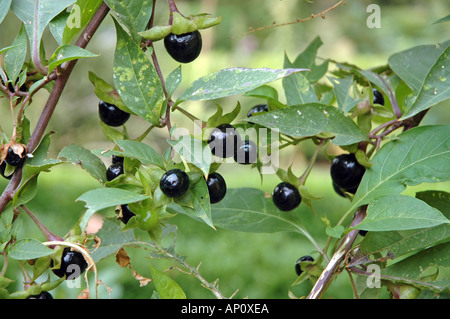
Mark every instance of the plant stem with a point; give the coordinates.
(52, 101)
(302, 179)
(47, 233)
(346, 244)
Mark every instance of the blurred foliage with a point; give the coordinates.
(259, 265)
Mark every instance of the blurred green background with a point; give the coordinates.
(259, 265)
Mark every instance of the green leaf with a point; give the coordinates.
(444, 19)
(342, 90)
(412, 268)
(173, 81)
(312, 119)
(57, 26)
(167, 288)
(201, 207)
(422, 57)
(400, 212)
(81, 14)
(418, 155)
(307, 59)
(269, 93)
(37, 14)
(194, 151)
(233, 81)
(140, 151)
(399, 243)
(15, 57)
(134, 15)
(4, 8)
(136, 79)
(248, 210)
(88, 161)
(67, 52)
(25, 249)
(100, 198)
(435, 88)
(297, 88)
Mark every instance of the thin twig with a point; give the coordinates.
(298, 20)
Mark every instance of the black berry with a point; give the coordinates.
(217, 187)
(298, 268)
(114, 171)
(72, 265)
(111, 115)
(224, 140)
(125, 214)
(377, 97)
(14, 159)
(174, 183)
(185, 47)
(42, 295)
(259, 108)
(286, 196)
(346, 172)
(246, 153)
(115, 159)
(2, 170)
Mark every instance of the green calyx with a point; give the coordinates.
(181, 25)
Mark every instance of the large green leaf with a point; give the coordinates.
(86, 159)
(419, 155)
(81, 14)
(312, 119)
(248, 210)
(435, 88)
(133, 14)
(398, 243)
(412, 269)
(140, 151)
(400, 212)
(135, 78)
(25, 249)
(37, 14)
(100, 198)
(4, 8)
(15, 57)
(232, 81)
(413, 65)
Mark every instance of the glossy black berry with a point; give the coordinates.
(111, 115)
(185, 47)
(174, 183)
(246, 153)
(2, 170)
(286, 196)
(224, 140)
(217, 187)
(115, 159)
(114, 171)
(72, 264)
(125, 214)
(298, 269)
(14, 159)
(259, 108)
(346, 172)
(42, 295)
(377, 97)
